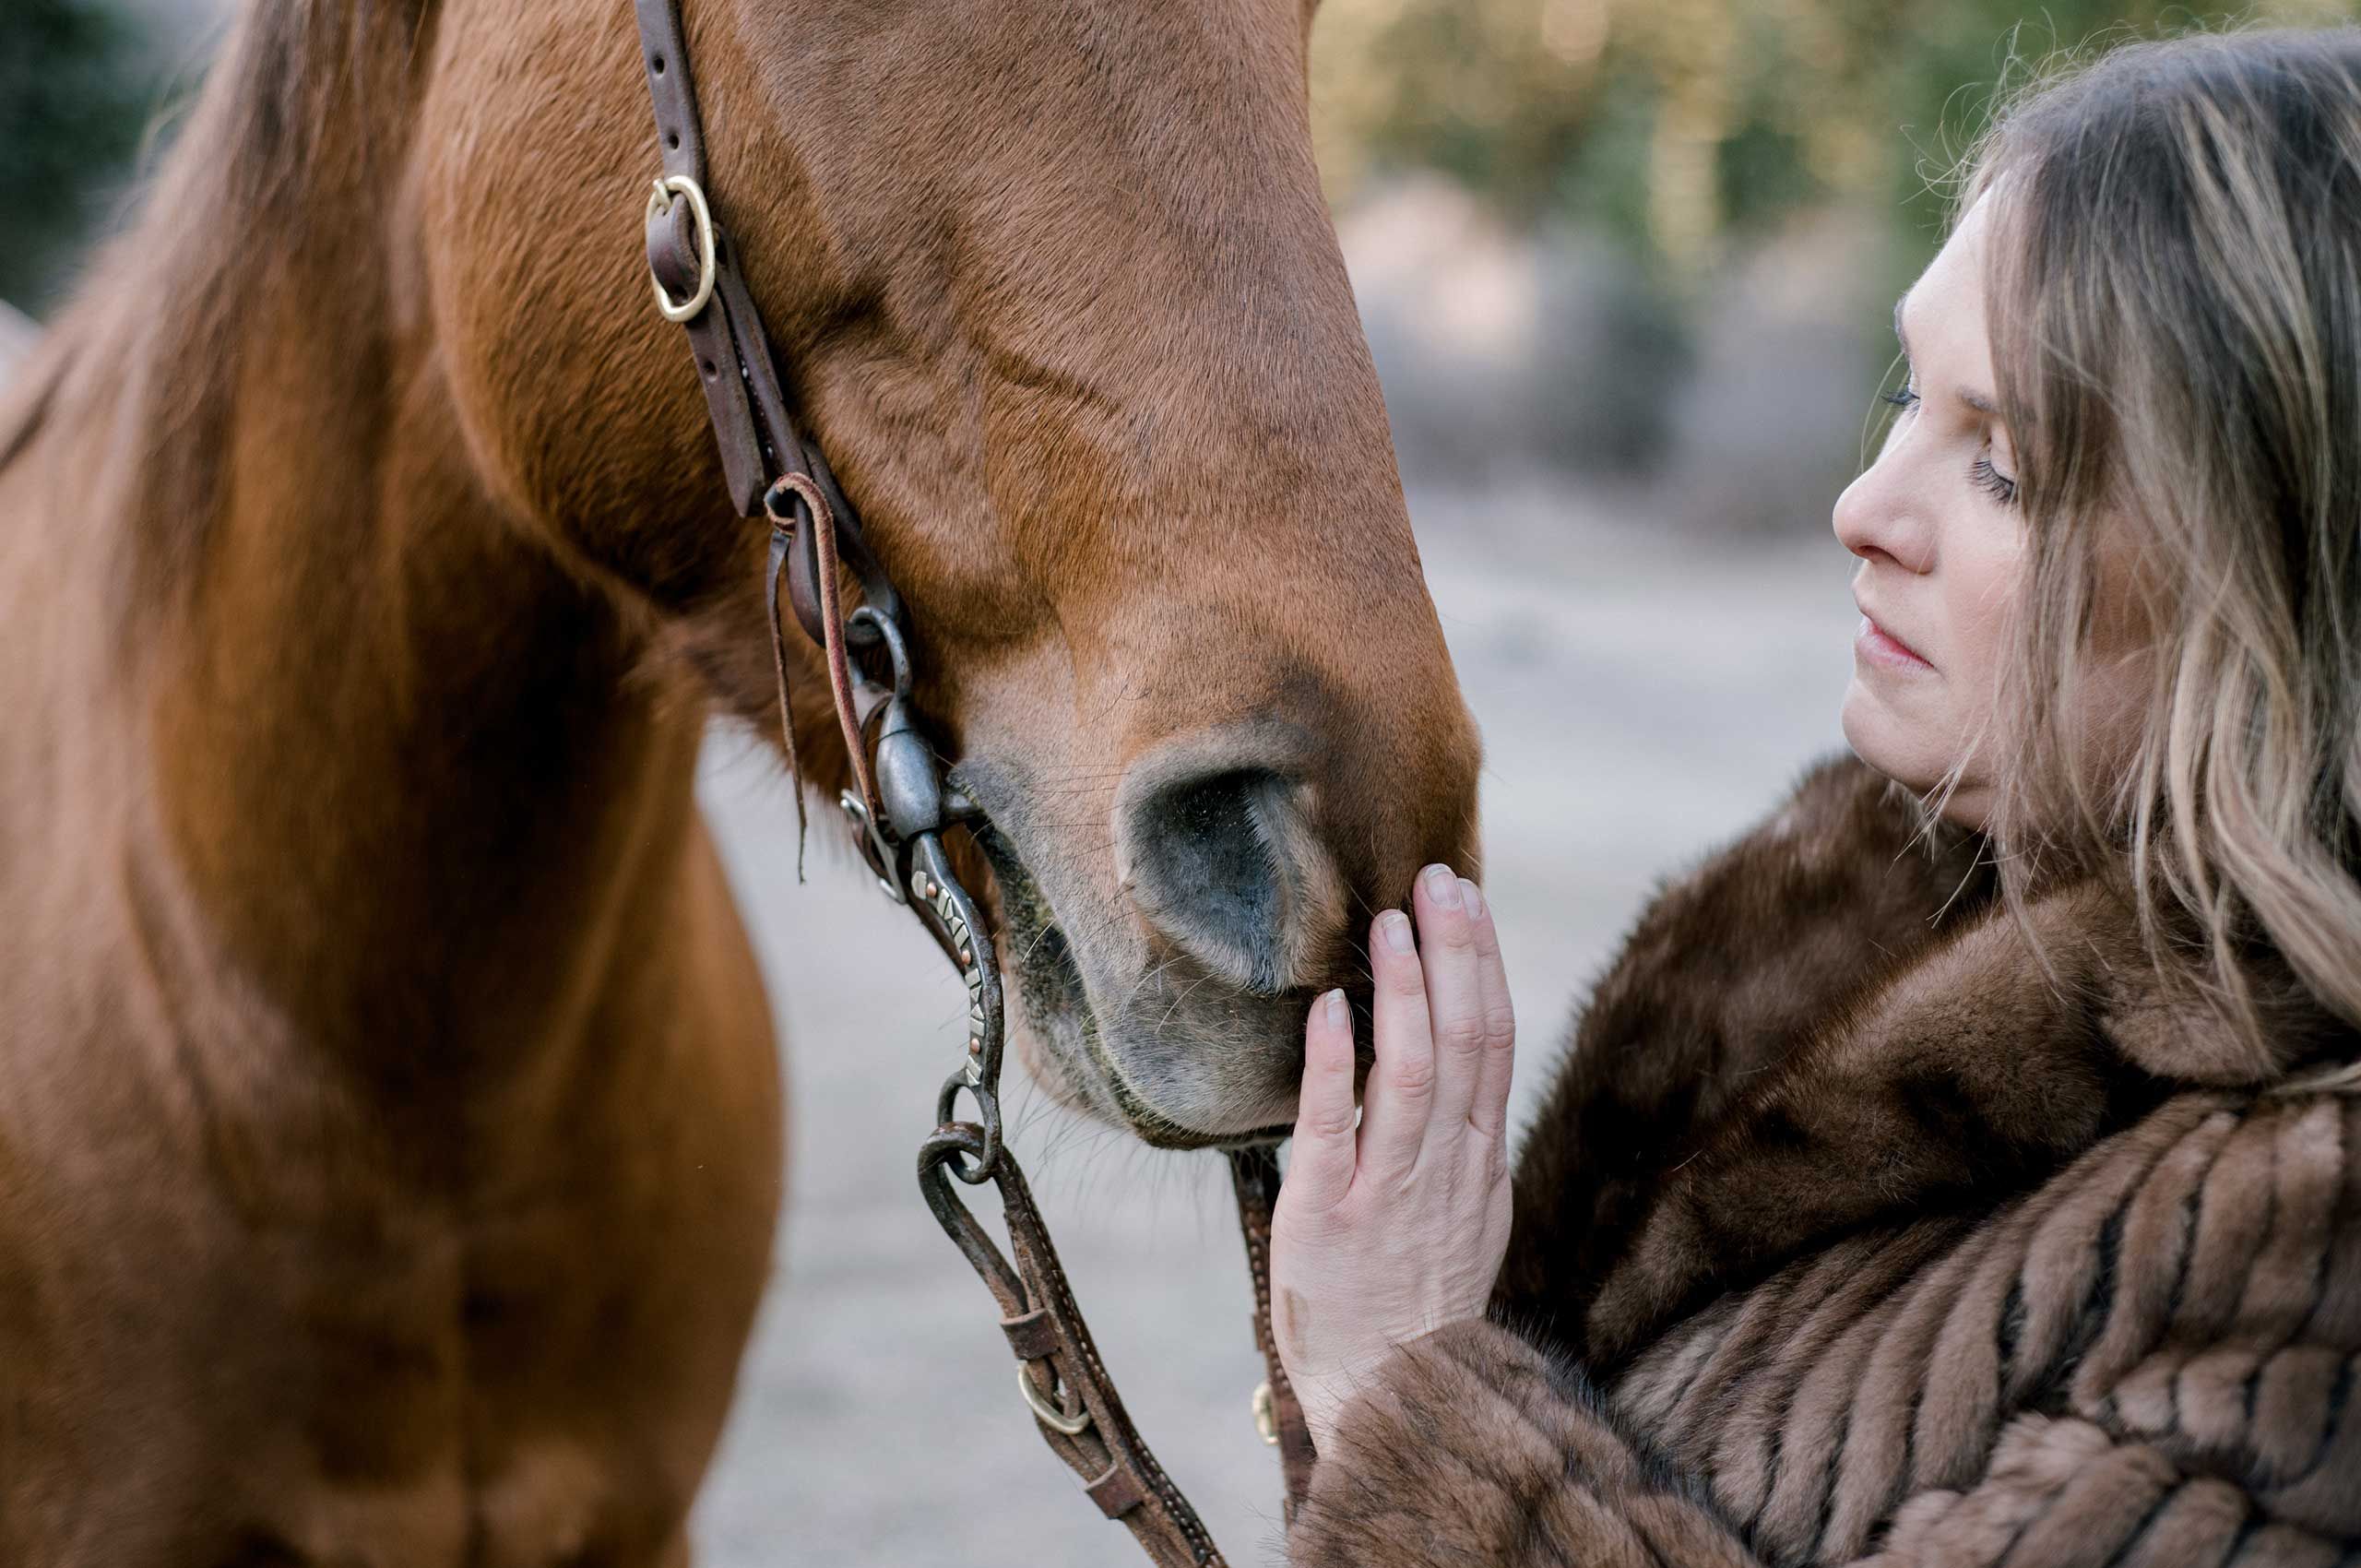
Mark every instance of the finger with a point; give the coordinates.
(1402, 1081)
(1488, 1112)
(1454, 997)
(1320, 1167)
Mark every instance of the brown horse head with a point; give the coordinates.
(1055, 288)
(391, 1116)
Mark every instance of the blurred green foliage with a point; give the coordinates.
(73, 100)
(1681, 125)
(1676, 125)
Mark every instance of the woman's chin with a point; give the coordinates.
(1880, 738)
(1914, 756)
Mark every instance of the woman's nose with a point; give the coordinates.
(1876, 517)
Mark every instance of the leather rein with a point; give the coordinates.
(901, 806)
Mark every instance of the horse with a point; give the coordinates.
(390, 1115)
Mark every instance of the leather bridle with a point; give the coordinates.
(901, 806)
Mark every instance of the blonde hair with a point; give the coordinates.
(2174, 290)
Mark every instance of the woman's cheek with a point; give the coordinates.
(1986, 566)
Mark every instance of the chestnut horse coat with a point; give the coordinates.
(1853, 1230)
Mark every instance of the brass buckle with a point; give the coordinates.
(1050, 1414)
(659, 202)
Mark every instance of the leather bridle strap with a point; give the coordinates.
(1254, 1173)
(770, 471)
(1073, 1401)
(689, 254)
(766, 469)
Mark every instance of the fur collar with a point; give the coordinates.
(1835, 1025)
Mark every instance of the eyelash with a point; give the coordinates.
(1992, 481)
(1981, 472)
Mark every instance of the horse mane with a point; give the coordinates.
(295, 76)
(293, 135)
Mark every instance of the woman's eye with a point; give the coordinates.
(1904, 397)
(1992, 481)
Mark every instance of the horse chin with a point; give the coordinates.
(1160, 1084)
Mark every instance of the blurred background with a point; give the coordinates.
(1626, 267)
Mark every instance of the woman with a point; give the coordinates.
(1966, 1166)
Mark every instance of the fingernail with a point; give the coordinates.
(1396, 927)
(1332, 1007)
(1442, 888)
(1475, 897)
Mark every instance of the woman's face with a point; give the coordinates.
(1941, 542)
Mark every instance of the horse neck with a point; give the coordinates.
(412, 777)
(402, 755)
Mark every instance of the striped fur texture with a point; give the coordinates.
(1854, 1230)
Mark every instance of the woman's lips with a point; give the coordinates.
(1881, 648)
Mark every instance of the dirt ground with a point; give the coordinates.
(1642, 694)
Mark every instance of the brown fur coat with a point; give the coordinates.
(1852, 1229)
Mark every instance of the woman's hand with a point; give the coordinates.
(1396, 1228)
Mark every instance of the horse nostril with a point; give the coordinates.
(1205, 840)
(1225, 865)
